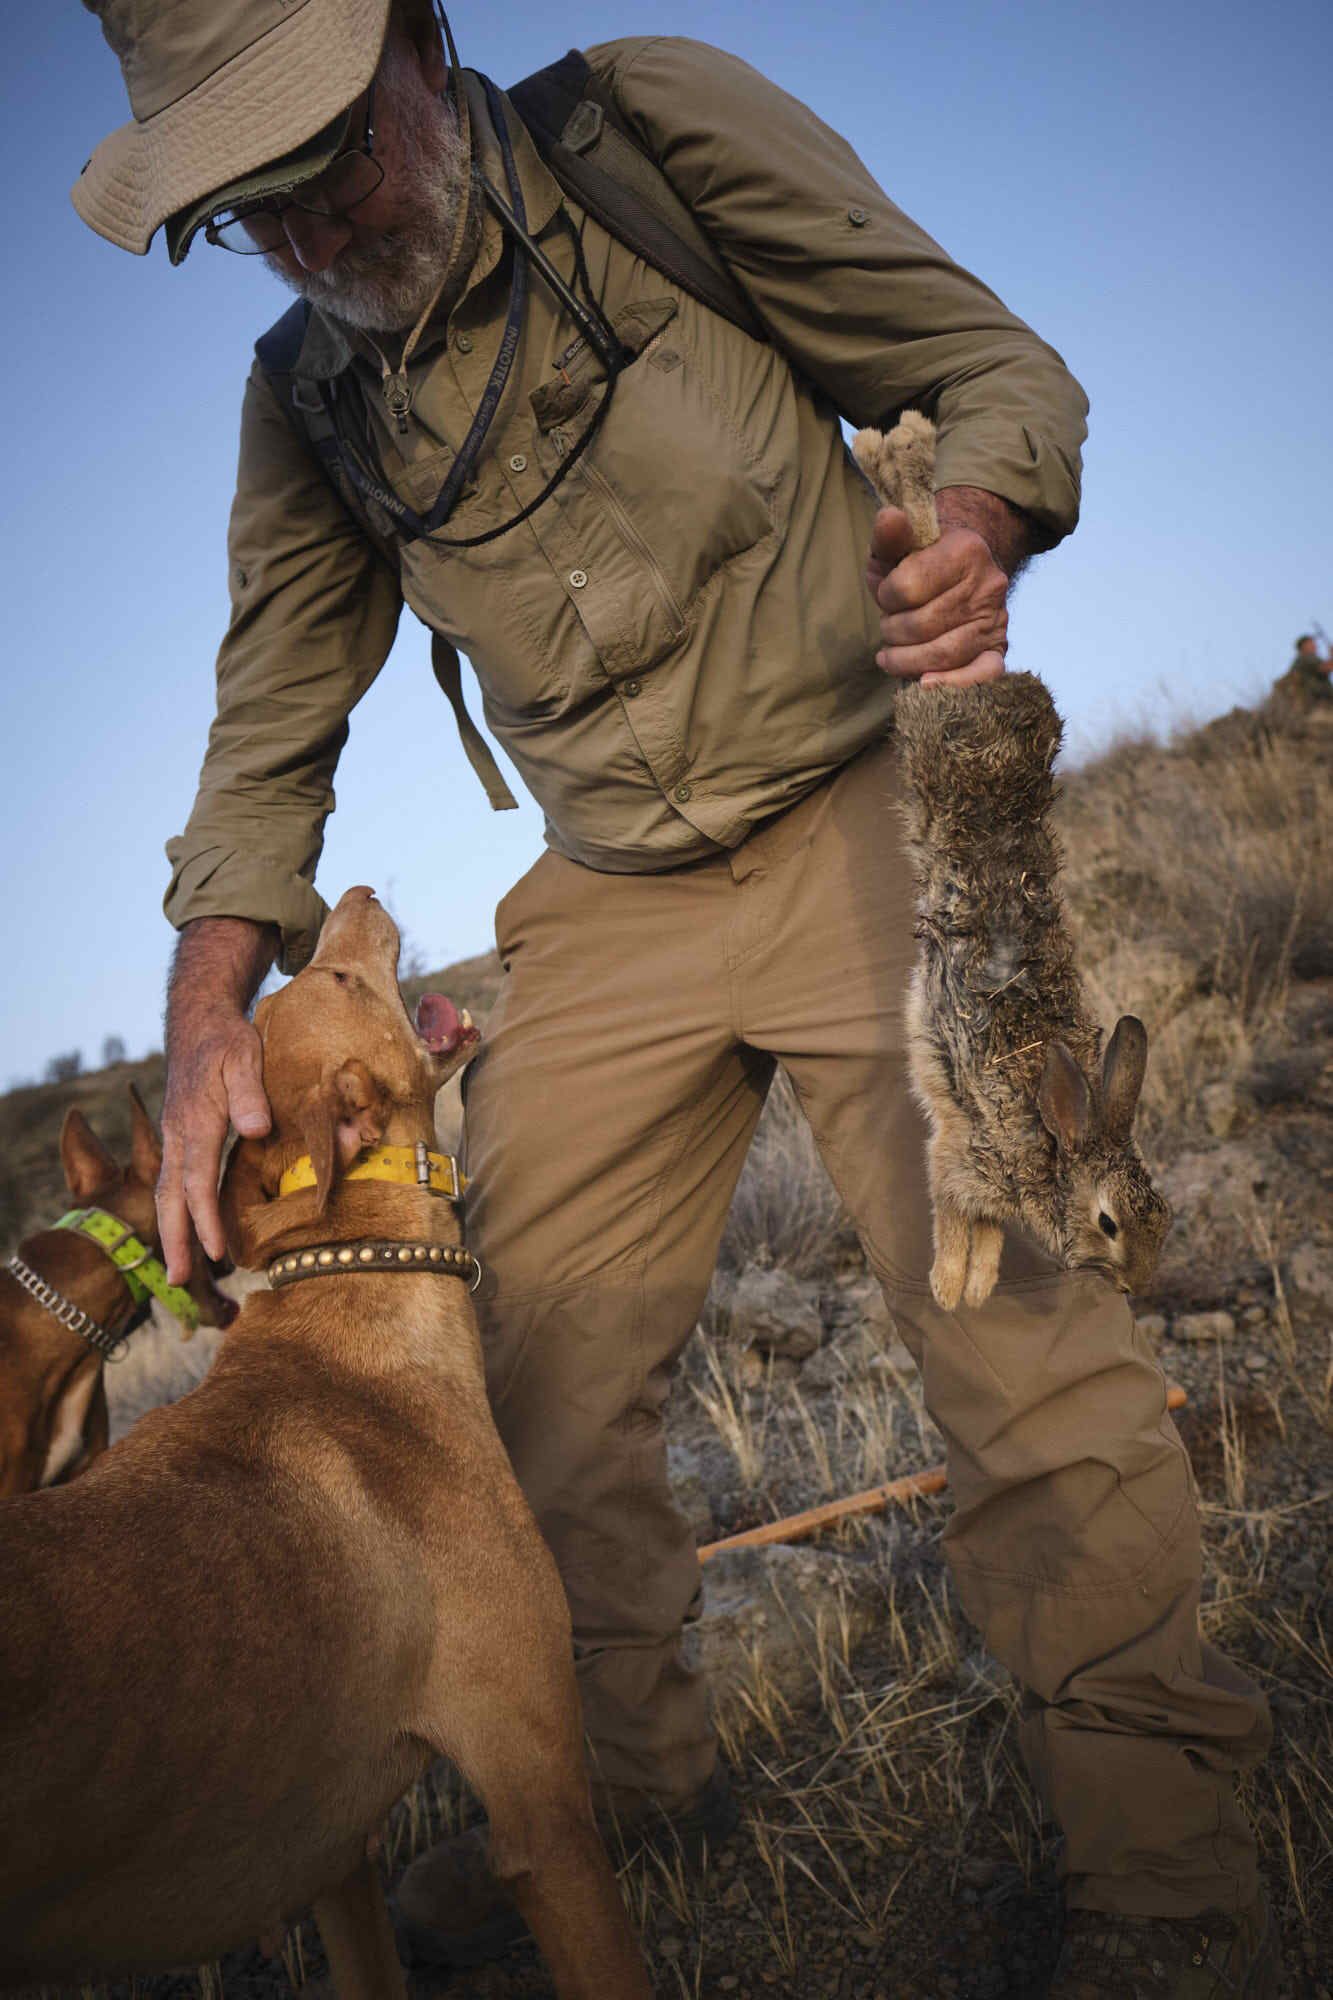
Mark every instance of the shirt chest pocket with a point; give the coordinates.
(667, 493)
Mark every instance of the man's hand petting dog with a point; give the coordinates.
(214, 1076)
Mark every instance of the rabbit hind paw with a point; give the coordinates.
(948, 1273)
(983, 1262)
(967, 1259)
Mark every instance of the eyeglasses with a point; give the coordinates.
(253, 228)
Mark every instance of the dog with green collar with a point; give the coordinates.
(72, 1295)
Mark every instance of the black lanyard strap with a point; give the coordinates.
(595, 328)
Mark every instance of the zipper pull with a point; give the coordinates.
(398, 396)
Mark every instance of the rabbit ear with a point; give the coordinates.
(1122, 1075)
(1063, 1099)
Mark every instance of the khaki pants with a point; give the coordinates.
(609, 1114)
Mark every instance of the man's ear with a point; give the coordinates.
(416, 21)
(87, 1163)
(145, 1145)
(339, 1117)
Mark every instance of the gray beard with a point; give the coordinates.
(385, 285)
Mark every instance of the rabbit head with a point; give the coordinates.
(1110, 1216)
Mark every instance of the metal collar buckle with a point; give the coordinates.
(112, 1244)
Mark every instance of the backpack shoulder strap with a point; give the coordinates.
(279, 349)
(578, 129)
(303, 404)
(306, 404)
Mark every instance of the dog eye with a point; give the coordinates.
(1106, 1225)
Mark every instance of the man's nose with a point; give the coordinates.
(315, 239)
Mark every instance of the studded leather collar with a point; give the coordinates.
(381, 1254)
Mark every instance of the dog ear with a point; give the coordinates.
(1063, 1099)
(145, 1145)
(1122, 1075)
(319, 1129)
(87, 1163)
(364, 1103)
(249, 1181)
(340, 1116)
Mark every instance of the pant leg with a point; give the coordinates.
(608, 1116)
(1075, 1538)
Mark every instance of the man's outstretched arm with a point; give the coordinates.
(214, 1075)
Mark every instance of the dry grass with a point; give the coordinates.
(1200, 881)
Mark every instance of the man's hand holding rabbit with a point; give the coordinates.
(942, 609)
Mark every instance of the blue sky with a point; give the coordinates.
(1147, 184)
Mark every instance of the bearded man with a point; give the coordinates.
(626, 496)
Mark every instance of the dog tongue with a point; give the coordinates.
(437, 1022)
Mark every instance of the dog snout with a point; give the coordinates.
(360, 931)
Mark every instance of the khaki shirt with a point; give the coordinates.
(681, 641)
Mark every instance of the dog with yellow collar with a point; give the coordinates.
(264, 1612)
(72, 1295)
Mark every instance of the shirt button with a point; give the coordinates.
(577, 578)
(684, 793)
(858, 217)
(518, 463)
(632, 687)
(464, 343)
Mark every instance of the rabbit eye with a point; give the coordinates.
(1107, 1225)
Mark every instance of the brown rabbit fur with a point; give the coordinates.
(1027, 1123)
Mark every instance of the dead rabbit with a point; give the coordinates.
(1028, 1121)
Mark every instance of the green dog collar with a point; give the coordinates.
(142, 1272)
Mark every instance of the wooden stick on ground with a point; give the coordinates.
(796, 1527)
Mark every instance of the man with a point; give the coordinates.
(1309, 678)
(677, 646)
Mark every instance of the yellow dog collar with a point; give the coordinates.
(408, 1166)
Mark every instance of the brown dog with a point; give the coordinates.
(229, 1647)
(63, 1302)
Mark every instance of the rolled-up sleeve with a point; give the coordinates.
(873, 311)
(314, 612)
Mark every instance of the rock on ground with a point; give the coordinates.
(777, 1313)
(1203, 1326)
(763, 1609)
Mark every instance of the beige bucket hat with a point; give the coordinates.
(219, 89)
